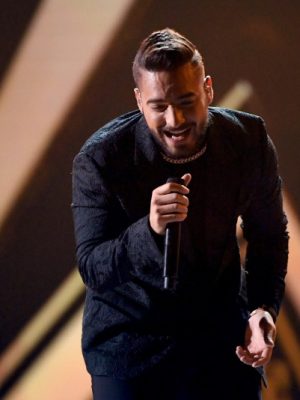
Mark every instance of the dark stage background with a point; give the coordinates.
(252, 42)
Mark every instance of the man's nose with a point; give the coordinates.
(174, 117)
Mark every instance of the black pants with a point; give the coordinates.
(221, 383)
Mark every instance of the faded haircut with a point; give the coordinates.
(165, 50)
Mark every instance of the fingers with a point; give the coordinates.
(187, 179)
(169, 203)
(172, 200)
(246, 357)
(259, 339)
(172, 187)
(254, 359)
(263, 358)
(171, 208)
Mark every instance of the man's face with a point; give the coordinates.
(175, 106)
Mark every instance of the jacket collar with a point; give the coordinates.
(146, 150)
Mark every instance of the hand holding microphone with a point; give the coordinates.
(169, 203)
(169, 207)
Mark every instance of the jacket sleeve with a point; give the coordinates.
(265, 229)
(110, 249)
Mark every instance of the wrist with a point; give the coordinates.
(264, 308)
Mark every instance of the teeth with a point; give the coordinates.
(177, 138)
(179, 133)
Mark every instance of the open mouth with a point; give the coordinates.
(178, 136)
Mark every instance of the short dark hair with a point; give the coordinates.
(164, 50)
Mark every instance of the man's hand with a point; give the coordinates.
(169, 204)
(259, 339)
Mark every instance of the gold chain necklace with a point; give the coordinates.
(184, 160)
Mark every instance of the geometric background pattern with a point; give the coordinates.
(65, 70)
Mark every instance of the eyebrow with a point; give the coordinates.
(183, 97)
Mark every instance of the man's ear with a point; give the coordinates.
(137, 94)
(208, 87)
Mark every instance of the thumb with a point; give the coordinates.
(269, 331)
(187, 179)
(269, 338)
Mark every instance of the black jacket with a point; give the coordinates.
(130, 323)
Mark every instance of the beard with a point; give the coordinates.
(193, 138)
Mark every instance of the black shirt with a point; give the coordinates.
(130, 322)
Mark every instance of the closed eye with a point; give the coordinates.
(159, 107)
(187, 103)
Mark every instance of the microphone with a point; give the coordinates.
(172, 249)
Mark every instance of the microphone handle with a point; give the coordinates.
(172, 249)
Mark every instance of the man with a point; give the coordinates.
(203, 339)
